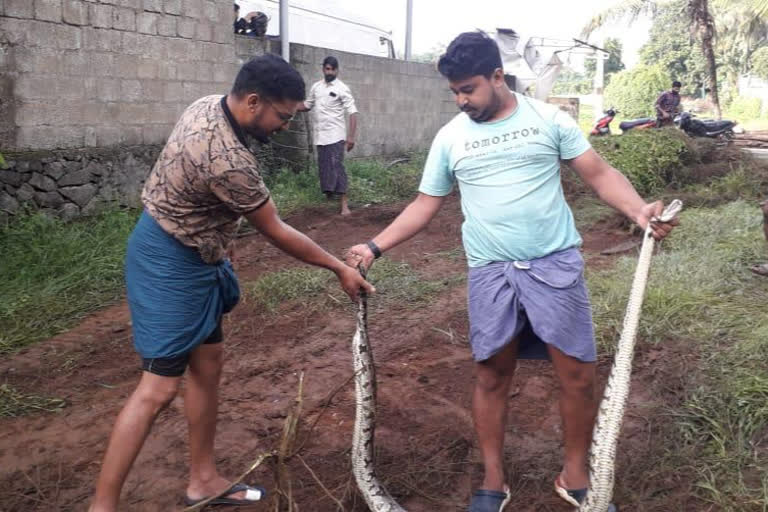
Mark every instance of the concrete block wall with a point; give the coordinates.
(402, 104)
(91, 89)
(100, 73)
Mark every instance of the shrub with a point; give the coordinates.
(744, 109)
(650, 159)
(635, 91)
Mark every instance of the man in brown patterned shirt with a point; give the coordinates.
(178, 280)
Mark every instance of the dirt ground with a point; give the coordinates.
(425, 443)
(752, 139)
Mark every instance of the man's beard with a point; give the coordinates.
(330, 78)
(257, 133)
(481, 116)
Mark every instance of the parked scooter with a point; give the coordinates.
(603, 125)
(705, 128)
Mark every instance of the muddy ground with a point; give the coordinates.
(425, 443)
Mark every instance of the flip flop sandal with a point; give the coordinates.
(484, 500)
(253, 494)
(575, 496)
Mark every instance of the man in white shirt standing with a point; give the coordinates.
(333, 100)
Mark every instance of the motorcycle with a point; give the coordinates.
(642, 123)
(603, 125)
(705, 128)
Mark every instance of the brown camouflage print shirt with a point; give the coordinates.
(204, 180)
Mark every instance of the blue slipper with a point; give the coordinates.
(576, 496)
(484, 500)
(253, 494)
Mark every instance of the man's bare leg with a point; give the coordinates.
(201, 405)
(344, 206)
(133, 424)
(578, 408)
(489, 410)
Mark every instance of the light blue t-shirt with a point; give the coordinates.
(509, 178)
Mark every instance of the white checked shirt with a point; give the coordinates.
(329, 102)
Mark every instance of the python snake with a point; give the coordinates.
(607, 426)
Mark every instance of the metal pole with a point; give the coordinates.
(599, 82)
(285, 42)
(408, 29)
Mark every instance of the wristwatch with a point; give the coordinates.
(374, 249)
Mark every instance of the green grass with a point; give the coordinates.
(14, 404)
(701, 292)
(296, 284)
(371, 181)
(53, 272)
(397, 285)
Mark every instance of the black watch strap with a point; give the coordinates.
(374, 248)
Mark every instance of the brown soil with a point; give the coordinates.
(425, 442)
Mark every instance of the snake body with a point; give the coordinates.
(374, 493)
(607, 426)
(605, 436)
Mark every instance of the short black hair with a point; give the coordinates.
(331, 61)
(237, 7)
(470, 54)
(271, 77)
(676, 84)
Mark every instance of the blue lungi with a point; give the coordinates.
(176, 299)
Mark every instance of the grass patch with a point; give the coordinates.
(371, 181)
(295, 284)
(701, 290)
(54, 272)
(14, 404)
(397, 285)
(744, 180)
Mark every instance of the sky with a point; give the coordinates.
(436, 22)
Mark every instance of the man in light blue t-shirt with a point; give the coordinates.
(527, 296)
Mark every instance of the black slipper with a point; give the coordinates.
(253, 494)
(484, 500)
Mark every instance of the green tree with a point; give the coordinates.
(759, 63)
(670, 45)
(634, 92)
(741, 32)
(701, 25)
(612, 65)
(572, 82)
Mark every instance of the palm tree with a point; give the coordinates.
(759, 8)
(701, 22)
(741, 32)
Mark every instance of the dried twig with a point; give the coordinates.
(325, 490)
(324, 406)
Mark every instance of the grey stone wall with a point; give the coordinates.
(74, 182)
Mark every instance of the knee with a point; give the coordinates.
(579, 386)
(490, 380)
(157, 397)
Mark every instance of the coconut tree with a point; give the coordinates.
(702, 26)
